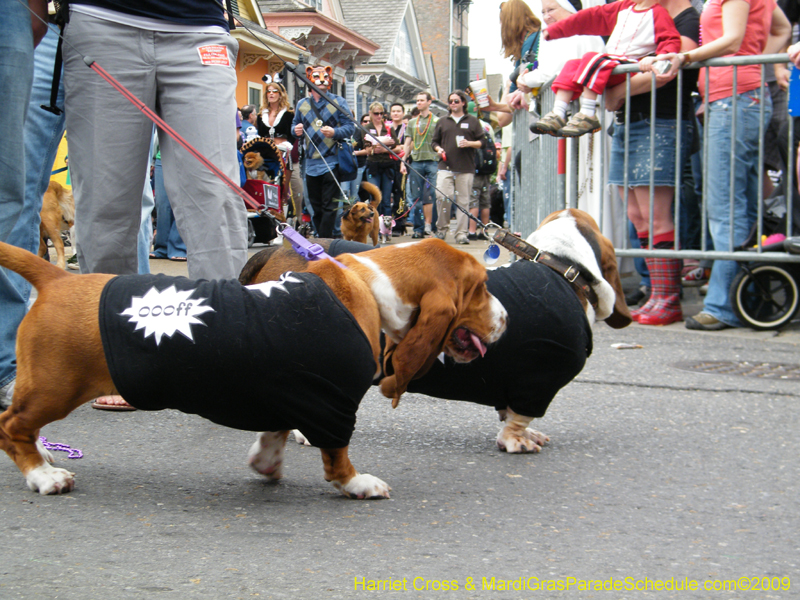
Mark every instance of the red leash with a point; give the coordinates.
(248, 199)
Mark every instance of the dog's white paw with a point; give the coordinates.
(44, 452)
(364, 486)
(50, 480)
(300, 438)
(266, 454)
(530, 441)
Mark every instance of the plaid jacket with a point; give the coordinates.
(344, 127)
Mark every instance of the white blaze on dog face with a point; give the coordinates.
(167, 312)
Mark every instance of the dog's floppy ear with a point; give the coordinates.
(346, 211)
(621, 316)
(415, 353)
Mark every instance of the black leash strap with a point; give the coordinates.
(56, 82)
(571, 272)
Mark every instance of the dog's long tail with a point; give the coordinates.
(374, 191)
(30, 266)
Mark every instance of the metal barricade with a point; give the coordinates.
(544, 166)
(540, 180)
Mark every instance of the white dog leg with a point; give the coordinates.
(266, 454)
(50, 480)
(364, 486)
(300, 438)
(517, 438)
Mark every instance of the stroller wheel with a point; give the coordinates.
(764, 297)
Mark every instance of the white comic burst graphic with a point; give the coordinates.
(164, 313)
(267, 287)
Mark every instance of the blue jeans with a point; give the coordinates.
(422, 187)
(745, 192)
(18, 212)
(167, 242)
(385, 181)
(351, 187)
(43, 133)
(145, 237)
(639, 263)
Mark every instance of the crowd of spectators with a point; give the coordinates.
(212, 220)
(730, 28)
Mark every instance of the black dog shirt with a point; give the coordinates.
(545, 346)
(269, 357)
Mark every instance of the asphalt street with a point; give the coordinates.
(658, 482)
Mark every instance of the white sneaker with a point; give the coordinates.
(6, 394)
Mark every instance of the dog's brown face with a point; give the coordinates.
(252, 160)
(360, 213)
(433, 299)
(480, 318)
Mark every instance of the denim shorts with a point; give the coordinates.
(639, 153)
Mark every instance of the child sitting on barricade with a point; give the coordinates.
(638, 30)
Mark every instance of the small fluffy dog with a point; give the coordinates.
(254, 163)
(387, 224)
(58, 214)
(359, 221)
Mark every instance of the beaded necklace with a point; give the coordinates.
(640, 15)
(424, 134)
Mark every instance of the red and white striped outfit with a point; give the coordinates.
(634, 33)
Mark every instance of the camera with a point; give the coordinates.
(662, 66)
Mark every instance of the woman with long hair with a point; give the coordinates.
(380, 167)
(519, 33)
(275, 120)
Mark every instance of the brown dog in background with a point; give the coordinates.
(253, 162)
(360, 220)
(58, 214)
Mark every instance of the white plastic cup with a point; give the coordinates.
(481, 92)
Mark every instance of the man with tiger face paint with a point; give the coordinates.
(321, 126)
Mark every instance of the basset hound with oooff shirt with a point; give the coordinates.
(549, 336)
(171, 342)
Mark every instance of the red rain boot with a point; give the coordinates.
(665, 301)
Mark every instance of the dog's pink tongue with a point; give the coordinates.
(478, 343)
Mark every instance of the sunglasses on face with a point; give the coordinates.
(377, 113)
(273, 92)
(455, 101)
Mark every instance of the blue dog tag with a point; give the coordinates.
(492, 254)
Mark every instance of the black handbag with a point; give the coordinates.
(348, 165)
